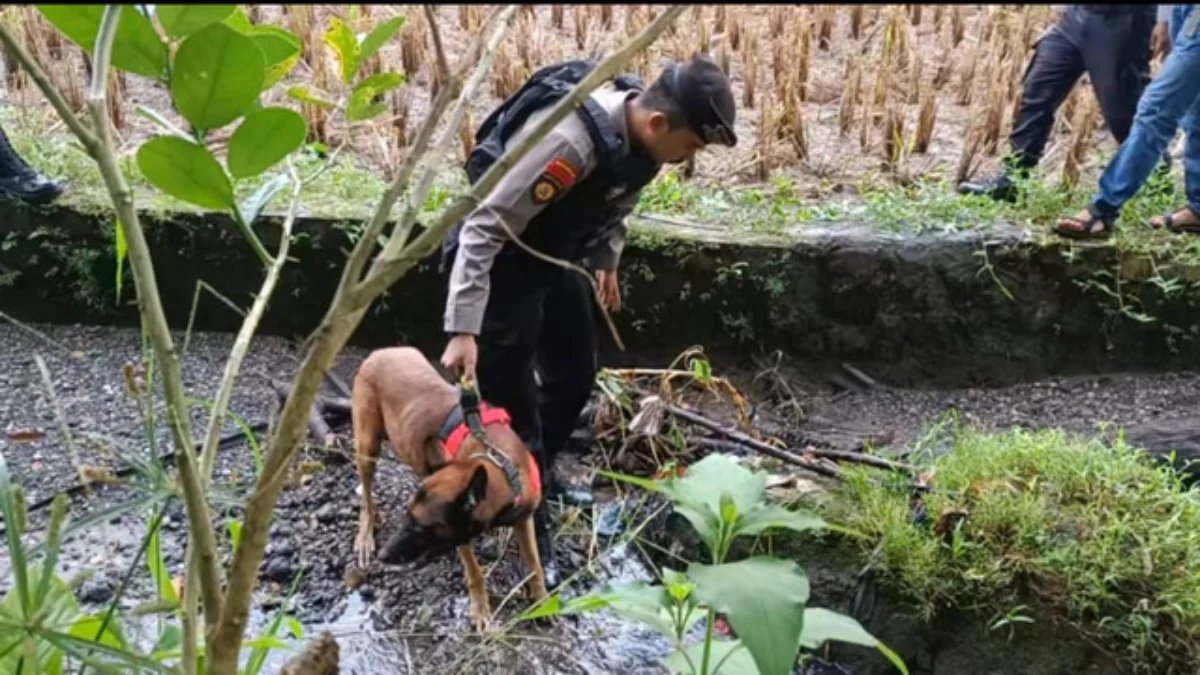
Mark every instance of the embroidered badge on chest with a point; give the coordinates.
(558, 177)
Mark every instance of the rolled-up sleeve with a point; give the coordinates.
(512, 202)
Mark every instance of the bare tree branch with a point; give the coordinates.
(418, 194)
(443, 65)
(154, 320)
(227, 633)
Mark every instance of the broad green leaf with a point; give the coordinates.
(183, 20)
(552, 606)
(266, 642)
(137, 46)
(294, 626)
(726, 657)
(280, 48)
(822, 625)
(122, 252)
(86, 627)
(169, 640)
(158, 568)
(363, 104)
(235, 534)
(238, 20)
(264, 139)
(763, 599)
(218, 75)
(379, 36)
(768, 516)
(185, 171)
(299, 93)
(637, 601)
(345, 45)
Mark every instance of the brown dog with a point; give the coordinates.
(469, 486)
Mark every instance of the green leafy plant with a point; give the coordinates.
(764, 598)
(365, 99)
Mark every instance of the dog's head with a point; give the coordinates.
(443, 514)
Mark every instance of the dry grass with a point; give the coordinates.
(952, 73)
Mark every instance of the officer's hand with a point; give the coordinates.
(1160, 41)
(461, 356)
(610, 290)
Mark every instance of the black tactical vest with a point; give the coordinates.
(582, 218)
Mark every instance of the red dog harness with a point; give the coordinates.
(452, 442)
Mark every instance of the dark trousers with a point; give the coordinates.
(1113, 48)
(538, 316)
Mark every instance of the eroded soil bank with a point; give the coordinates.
(992, 304)
(414, 621)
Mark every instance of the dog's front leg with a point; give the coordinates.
(527, 545)
(364, 543)
(481, 611)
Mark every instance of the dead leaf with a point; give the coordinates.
(78, 356)
(25, 435)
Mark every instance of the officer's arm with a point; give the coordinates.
(546, 172)
(608, 252)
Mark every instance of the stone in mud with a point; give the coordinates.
(97, 590)
(280, 570)
(327, 513)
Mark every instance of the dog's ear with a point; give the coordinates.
(476, 490)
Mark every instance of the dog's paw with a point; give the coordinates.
(481, 616)
(364, 549)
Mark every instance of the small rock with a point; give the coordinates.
(279, 570)
(327, 513)
(367, 593)
(96, 590)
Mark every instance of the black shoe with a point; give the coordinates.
(18, 180)
(31, 188)
(1000, 188)
(551, 574)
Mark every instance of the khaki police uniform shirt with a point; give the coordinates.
(564, 157)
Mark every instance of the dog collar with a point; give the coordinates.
(470, 417)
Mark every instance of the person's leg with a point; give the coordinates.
(1187, 219)
(1168, 98)
(22, 182)
(566, 364)
(507, 346)
(1116, 54)
(1051, 74)
(566, 360)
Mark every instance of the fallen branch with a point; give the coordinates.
(784, 455)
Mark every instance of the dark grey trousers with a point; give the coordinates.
(1111, 43)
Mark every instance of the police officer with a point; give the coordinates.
(1113, 45)
(567, 198)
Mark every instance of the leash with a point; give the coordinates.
(469, 403)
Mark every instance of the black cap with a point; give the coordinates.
(706, 97)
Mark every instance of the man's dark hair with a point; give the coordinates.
(657, 98)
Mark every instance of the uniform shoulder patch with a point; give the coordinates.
(558, 177)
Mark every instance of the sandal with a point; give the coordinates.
(1168, 221)
(1074, 228)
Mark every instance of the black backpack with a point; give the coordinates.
(543, 89)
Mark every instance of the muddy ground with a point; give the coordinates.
(423, 611)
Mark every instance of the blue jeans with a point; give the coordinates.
(1172, 100)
